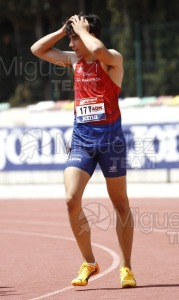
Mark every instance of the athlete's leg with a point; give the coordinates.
(75, 183)
(124, 225)
(112, 163)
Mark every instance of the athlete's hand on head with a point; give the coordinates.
(79, 24)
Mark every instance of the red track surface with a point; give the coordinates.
(39, 257)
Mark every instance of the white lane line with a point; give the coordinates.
(113, 266)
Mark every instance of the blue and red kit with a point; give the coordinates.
(97, 134)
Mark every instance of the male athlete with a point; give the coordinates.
(97, 134)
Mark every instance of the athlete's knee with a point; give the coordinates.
(73, 203)
(122, 206)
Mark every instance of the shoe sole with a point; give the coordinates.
(128, 285)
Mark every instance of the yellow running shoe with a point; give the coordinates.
(127, 278)
(85, 272)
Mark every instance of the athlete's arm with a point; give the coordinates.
(44, 49)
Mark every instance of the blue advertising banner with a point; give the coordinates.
(152, 146)
(149, 146)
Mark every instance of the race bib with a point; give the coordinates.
(90, 109)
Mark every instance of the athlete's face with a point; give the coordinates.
(78, 46)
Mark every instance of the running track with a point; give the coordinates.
(39, 256)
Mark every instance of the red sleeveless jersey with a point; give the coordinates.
(92, 81)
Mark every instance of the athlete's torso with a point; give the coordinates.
(92, 81)
(97, 113)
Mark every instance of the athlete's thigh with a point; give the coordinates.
(75, 182)
(117, 189)
(118, 193)
(113, 165)
(112, 160)
(83, 158)
(79, 168)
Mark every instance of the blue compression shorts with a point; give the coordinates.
(111, 159)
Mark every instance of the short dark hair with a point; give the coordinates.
(94, 24)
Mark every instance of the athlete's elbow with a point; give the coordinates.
(34, 49)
